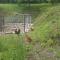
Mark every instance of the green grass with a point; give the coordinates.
(45, 37)
(35, 9)
(46, 34)
(44, 25)
(8, 7)
(12, 47)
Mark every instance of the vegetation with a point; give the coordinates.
(45, 38)
(46, 25)
(12, 47)
(46, 34)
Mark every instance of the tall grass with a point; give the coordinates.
(47, 25)
(12, 48)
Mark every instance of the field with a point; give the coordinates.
(45, 37)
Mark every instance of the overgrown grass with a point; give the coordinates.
(12, 47)
(46, 20)
(34, 9)
(9, 7)
(47, 25)
(46, 34)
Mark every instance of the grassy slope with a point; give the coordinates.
(47, 22)
(46, 30)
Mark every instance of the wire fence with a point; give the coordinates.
(9, 23)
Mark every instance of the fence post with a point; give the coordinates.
(24, 23)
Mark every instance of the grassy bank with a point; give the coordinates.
(46, 34)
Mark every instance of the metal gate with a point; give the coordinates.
(19, 21)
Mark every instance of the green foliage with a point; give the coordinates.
(10, 8)
(46, 26)
(50, 42)
(58, 54)
(12, 48)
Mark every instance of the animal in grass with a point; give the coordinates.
(17, 31)
(28, 38)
